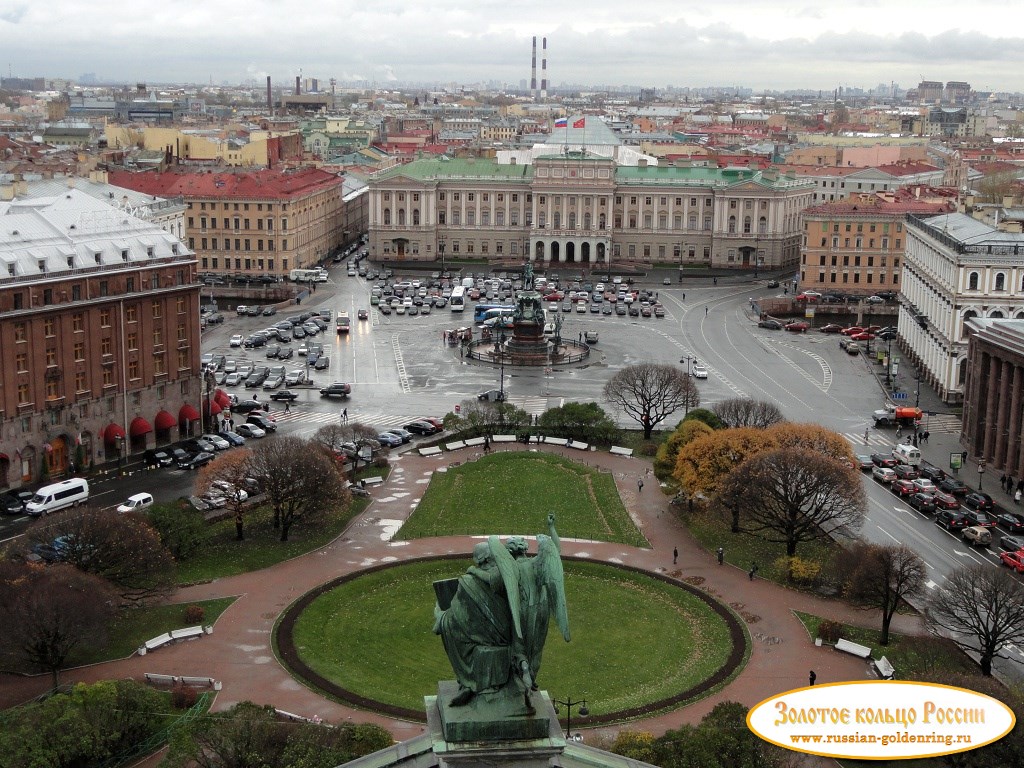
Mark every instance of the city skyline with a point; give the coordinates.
(759, 44)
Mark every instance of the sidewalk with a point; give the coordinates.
(239, 652)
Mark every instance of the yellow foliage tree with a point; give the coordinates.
(637, 745)
(811, 437)
(704, 461)
(686, 432)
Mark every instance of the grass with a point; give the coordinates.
(514, 491)
(372, 635)
(912, 655)
(136, 625)
(222, 555)
(744, 549)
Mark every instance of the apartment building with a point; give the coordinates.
(258, 223)
(581, 208)
(99, 330)
(856, 246)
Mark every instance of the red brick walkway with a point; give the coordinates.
(239, 653)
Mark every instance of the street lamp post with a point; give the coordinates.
(917, 397)
(119, 442)
(440, 250)
(687, 359)
(569, 704)
(501, 359)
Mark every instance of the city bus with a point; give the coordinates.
(304, 275)
(344, 323)
(457, 301)
(484, 312)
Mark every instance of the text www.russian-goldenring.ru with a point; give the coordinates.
(948, 739)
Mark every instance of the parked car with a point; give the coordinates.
(952, 485)
(157, 458)
(389, 439)
(831, 328)
(233, 437)
(809, 296)
(405, 434)
(217, 441)
(250, 430)
(136, 503)
(771, 325)
(226, 489)
(797, 326)
(196, 461)
(322, 363)
(420, 428)
(922, 502)
(978, 500)
(13, 502)
(236, 340)
(438, 424)
(262, 421)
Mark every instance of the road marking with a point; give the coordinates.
(403, 377)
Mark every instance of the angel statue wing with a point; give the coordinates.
(510, 576)
(548, 565)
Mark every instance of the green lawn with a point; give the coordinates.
(373, 636)
(743, 549)
(512, 492)
(222, 555)
(134, 626)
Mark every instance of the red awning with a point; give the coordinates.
(212, 408)
(221, 398)
(139, 427)
(112, 432)
(188, 413)
(164, 420)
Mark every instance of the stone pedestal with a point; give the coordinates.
(487, 733)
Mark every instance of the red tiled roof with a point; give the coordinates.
(255, 185)
(900, 205)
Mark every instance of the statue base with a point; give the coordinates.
(493, 730)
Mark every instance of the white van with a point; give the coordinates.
(907, 454)
(50, 498)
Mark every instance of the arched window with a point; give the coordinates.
(601, 222)
(746, 225)
(732, 225)
(557, 219)
(572, 220)
(1000, 281)
(972, 281)
(961, 374)
(996, 314)
(416, 217)
(387, 217)
(401, 217)
(586, 221)
(963, 327)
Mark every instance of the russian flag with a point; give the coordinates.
(562, 122)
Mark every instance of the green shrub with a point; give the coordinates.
(798, 570)
(194, 614)
(181, 528)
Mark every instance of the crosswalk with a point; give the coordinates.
(942, 424)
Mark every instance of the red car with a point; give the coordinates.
(831, 328)
(902, 488)
(798, 326)
(862, 336)
(852, 330)
(809, 296)
(1013, 560)
(946, 500)
(437, 423)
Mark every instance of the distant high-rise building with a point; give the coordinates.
(957, 92)
(929, 92)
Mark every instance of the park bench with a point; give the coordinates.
(199, 682)
(855, 648)
(454, 446)
(556, 441)
(504, 438)
(579, 446)
(154, 643)
(186, 633)
(474, 441)
(155, 679)
(373, 480)
(618, 450)
(431, 451)
(885, 668)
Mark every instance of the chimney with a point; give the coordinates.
(533, 71)
(298, 86)
(544, 69)
(270, 98)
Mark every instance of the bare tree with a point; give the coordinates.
(227, 475)
(791, 495)
(649, 393)
(884, 576)
(125, 550)
(300, 482)
(47, 613)
(484, 415)
(348, 442)
(982, 609)
(745, 412)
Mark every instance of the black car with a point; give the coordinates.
(979, 501)
(1011, 543)
(263, 422)
(952, 485)
(155, 458)
(1011, 521)
(906, 472)
(196, 461)
(922, 502)
(13, 502)
(930, 471)
(883, 460)
(337, 389)
(273, 352)
(420, 428)
(773, 283)
(285, 353)
(322, 363)
(233, 437)
(771, 325)
(977, 517)
(246, 406)
(951, 520)
(285, 394)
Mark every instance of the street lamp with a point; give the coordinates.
(501, 359)
(440, 250)
(569, 704)
(119, 442)
(917, 397)
(688, 359)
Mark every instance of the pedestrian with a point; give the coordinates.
(915, 438)
(655, 295)
(255, 397)
(705, 311)
(675, 555)
(287, 406)
(487, 443)
(811, 678)
(1020, 484)
(684, 295)
(866, 429)
(640, 484)
(753, 571)
(581, 336)
(1002, 482)
(715, 279)
(266, 407)
(344, 415)
(1016, 496)
(925, 435)
(899, 430)
(721, 555)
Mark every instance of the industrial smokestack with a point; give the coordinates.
(298, 85)
(544, 69)
(533, 71)
(270, 98)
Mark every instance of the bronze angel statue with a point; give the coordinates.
(493, 620)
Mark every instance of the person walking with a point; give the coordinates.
(899, 431)
(866, 430)
(344, 415)
(1016, 496)
(925, 435)
(811, 678)
(752, 572)
(705, 311)
(675, 555)
(640, 485)
(721, 555)
(487, 443)
(287, 406)
(1002, 482)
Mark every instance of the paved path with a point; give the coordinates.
(239, 651)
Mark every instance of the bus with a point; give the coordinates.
(344, 323)
(457, 302)
(305, 275)
(482, 312)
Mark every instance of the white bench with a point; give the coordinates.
(579, 446)
(504, 438)
(432, 451)
(885, 668)
(454, 446)
(156, 642)
(855, 648)
(292, 716)
(373, 480)
(473, 441)
(618, 450)
(154, 679)
(556, 441)
(186, 633)
(199, 682)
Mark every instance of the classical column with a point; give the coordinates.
(1003, 411)
(1013, 458)
(987, 438)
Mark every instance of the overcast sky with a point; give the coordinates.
(755, 43)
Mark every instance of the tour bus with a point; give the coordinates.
(304, 275)
(486, 311)
(457, 301)
(344, 322)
